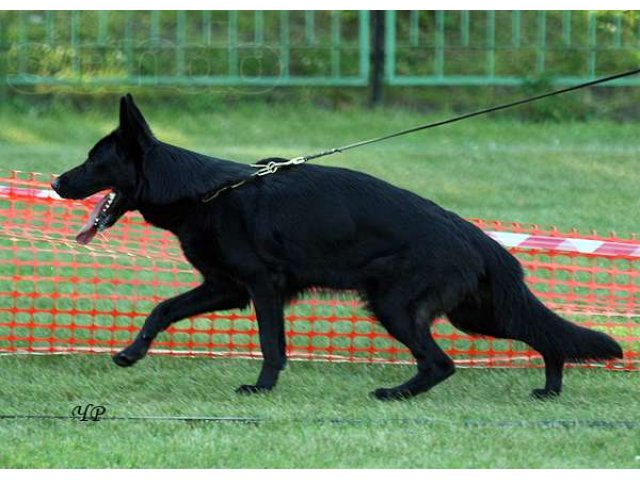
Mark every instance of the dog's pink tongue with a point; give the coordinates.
(86, 234)
(89, 230)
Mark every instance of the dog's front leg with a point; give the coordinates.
(208, 297)
(269, 306)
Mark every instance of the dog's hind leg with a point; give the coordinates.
(433, 364)
(269, 306)
(478, 317)
(553, 368)
(208, 297)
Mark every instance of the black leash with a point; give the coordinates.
(272, 166)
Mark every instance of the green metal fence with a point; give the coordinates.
(314, 48)
(187, 48)
(509, 47)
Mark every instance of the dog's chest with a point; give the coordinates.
(203, 252)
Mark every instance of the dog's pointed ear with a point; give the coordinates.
(133, 126)
(124, 115)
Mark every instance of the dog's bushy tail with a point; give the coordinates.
(524, 317)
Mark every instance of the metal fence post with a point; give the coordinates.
(232, 48)
(390, 46)
(377, 56)
(4, 61)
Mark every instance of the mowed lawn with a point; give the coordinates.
(569, 175)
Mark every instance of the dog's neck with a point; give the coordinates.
(172, 182)
(167, 217)
(170, 174)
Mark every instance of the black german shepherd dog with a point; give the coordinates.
(314, 226)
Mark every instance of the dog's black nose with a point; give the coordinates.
(56, 184)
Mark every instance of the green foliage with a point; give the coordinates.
(561, 108)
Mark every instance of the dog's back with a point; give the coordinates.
(333, 227)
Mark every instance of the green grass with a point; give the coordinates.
(570, 175)
(297, 428)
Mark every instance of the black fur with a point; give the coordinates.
(313, 226)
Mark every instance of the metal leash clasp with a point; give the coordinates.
(263, 169)
(273, 166)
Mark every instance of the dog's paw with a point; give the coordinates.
(544, 394)
(387, 394)
(251, 389)
(125, 359)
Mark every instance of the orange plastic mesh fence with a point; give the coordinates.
(58, 296)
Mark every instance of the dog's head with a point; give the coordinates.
(113, 164)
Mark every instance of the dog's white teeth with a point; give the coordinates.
(97, 222)
(112, 197)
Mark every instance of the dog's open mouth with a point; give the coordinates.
(105, 213)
